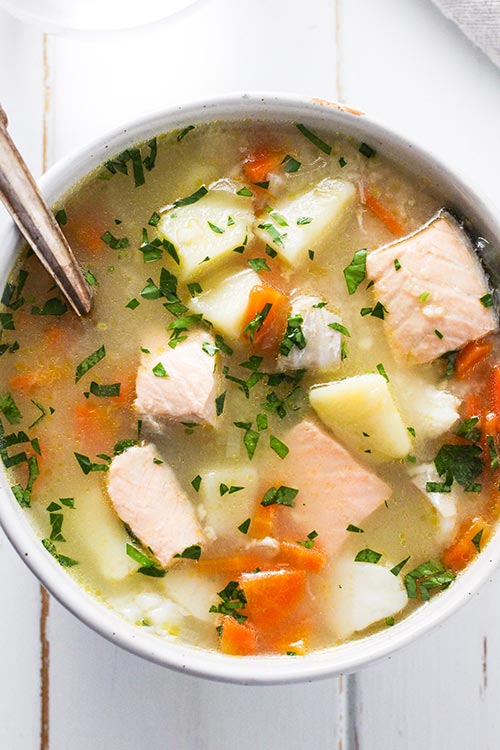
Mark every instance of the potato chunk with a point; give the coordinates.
(362, 594)
(226, 506)
(361, 411)
(294, 225)
(206, 232)
(224, 304)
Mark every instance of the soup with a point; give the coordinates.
(271, 435)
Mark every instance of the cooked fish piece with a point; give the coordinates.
(177, 384)
(432, 293)
(334, 489)
(445, 503)
(322, 343)
(148, 498)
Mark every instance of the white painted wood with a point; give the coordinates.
(20, 50)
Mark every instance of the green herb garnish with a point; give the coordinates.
(89, 362)
(190, 553)
(314, 139)
(355, 272)
(280, 496)
(294, 336)
(193, 198)
(368, 555)
(427, 577)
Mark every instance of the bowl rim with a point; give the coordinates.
(101, 618)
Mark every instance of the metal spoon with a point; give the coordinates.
(23, 200)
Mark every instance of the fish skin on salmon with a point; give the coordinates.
(187, 391)
(433, 299)
(148, 498)
(334, 489)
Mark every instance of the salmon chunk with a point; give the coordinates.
(334, 489)
(148, 498)
(178, 384)
(431, 284)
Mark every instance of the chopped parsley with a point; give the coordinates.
(336, 326)
(196, 482)
(396, 570)
(486, 300)
(424, 296)
(460, 463)
(378, 311)
(257, 321)
(309, 542)
(368, 555)
(468, 429)
(355, 272)
(427, 577)
(342, 162)
(261, 422)
(290, 164)
(89, 362)
(190, 553)
(193, 198)
(148, 566)
(258, 264)
(450, 358)
(215, 228)
(87, 466)
(53, 306)
(311, 254)
(382, 371)
(184, 132)
(115, 243)
(294, 336)
(113, 389)
(367, 150)
(476, 540)
(194, 289)
(10, 409)
(61, 217)
(314, 138)
(243, 527)
(250, 437)
(397, 264)
(154, 219)
(133, 304)
(303, 220)
(159, 370)
(438, 333)
(276, 236)
(280, 496)
(219, 403)
(278, 446)
(354, 529)
(245, 192)
(225, 489)
(66, 562)
(233, 598)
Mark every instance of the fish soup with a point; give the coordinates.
(272, 434)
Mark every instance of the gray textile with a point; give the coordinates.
(479, 20)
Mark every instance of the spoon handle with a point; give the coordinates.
(28, 208)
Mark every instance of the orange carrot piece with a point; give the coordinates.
(235, 565)
(473, 406)
(272, 595)
(300, 557)
(463, 549)
(259, 165)
(88, 235)
(237, 639)
(494, 389)
(383, 213)
(291, 639)
(262, 523)
(269, 334)
(470, 356)
(32, 379)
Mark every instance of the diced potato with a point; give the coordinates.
(225, 512)
(295, 225)
(322, 349)
(206, 232)
(445, 503)
(103, 534)
(225, 303)
(362, 412)
(193, 592)
(362, 594)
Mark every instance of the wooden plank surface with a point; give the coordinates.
(411, 67)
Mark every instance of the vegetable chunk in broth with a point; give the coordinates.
(272, 434)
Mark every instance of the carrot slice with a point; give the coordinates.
(470, 356)
(234, 565)
(300, 557)
(383, 213)
(259, 165)
(291, 639)
(272, 596)
(237, 639)
(266, 317)
(263, 521)
(464, 549)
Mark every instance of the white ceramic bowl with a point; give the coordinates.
(183, 657)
